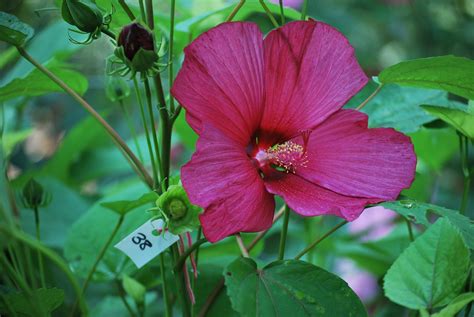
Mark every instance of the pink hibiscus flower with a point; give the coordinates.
(269, 119)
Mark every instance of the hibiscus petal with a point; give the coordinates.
(221, 80)
(310, 72)
(308, 199)
(347, 157)
(221, 179)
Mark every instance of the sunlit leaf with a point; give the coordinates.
(460, 118)
(431, 271)
(455, 306)
(450, 73)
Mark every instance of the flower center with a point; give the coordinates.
(284, 157)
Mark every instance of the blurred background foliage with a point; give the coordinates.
(50, 137)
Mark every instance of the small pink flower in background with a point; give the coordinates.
(374, 223)
(269, 119)
(362, 282)
(295, 4)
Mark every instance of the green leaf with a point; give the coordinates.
(13, 31)
(48, 298)
(461, 119)
(89, 234)
(36, 83)
(431, 271)
(443, 142)
(122, 207)
(418, 213)
(456, 305)
(289, 288)
(399, 107)
(134, 288)
(450, 73)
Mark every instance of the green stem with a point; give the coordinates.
(149, 14)
(269, 14)
(323, 237)
(184, 256)
(165, 288)
(109, 33)
(235, 10)
(170, 53)
(304, 10)
(115, 136)
(165, 132)
(282, 12)
(153, 125)
(98, 259)
(53, 257)
(147, 133)
(132, 129)
(38, 237)
(464, 151)
(410, 230)
(126, 9)
(284, 232)
(181, 287)
(142, 10)
(376, 91)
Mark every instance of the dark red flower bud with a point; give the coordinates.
(133, 37)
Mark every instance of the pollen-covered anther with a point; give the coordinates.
(288, 156)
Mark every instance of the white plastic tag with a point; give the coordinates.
(145, 243)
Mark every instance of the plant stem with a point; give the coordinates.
(165, 132)
(269, 14)
(464, 151)
(304, 10)
(153, 125)
(142, 10)
(315, 243)
(179, 279)
(184, 256)
(284, 232)
(170, 53)
(131, 126)
(109, 33)
(53, 257)
(98, 259)
(166, 300)
(282, 12)
(376, 91)
(38, 237)
(240, 243)
(147, 133)
(149, 14)
(126, 9)
(115, 136)
(235, 10)
(410, 230)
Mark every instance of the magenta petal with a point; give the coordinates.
(221, 80)
(221, 179)
(348, 158)
(308, 199)
(310, 72)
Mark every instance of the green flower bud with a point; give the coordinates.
(33, 194)
(117, 88)
(83, 14)
(180, 214)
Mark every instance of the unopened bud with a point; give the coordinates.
(83, 14)
(33, 194)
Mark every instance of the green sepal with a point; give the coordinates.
(176, 209)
